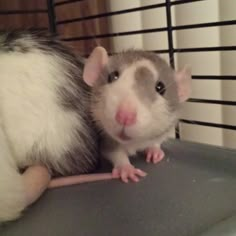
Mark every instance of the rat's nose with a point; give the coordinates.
(126, 116)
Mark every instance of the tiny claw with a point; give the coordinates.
(124, 176)
(141, 173)
(154, 154)
(125, 180)
(134, 178)
(149, 155)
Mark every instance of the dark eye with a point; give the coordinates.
(160, 88)
(113, 76)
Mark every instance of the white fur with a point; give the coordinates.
(30, 116)
(29, 107)
(12, 194)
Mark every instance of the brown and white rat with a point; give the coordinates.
(136, 100)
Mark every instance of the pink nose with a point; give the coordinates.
(126, 117)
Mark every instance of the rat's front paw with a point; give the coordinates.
(154, 155)
(126, 172)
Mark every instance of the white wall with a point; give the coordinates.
(228, 67)
(125, 22)
(202, 63)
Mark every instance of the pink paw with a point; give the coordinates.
(126, 172)
(154, 155)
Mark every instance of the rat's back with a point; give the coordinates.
(44, 104)
(44, 116)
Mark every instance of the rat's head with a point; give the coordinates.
(136, 95)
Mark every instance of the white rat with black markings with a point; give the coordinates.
(136, 101)
(46, 126)
(46, 129)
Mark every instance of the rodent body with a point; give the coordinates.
(44, 114)
(136, 100)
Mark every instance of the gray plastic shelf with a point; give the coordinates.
(192, 192)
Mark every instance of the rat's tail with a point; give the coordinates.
(12, 193)
(79, 179)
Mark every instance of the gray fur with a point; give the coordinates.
(123, 60)
(166, 73)
(145, 85)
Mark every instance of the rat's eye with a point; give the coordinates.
(160, 88)
(113, 76)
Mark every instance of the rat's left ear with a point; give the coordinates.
(183, 80)
(94, 65)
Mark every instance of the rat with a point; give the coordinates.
(136, 101)
(52, 103)
(46, 127)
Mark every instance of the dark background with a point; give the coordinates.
(12, 17)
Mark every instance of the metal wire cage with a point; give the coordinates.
(173, 51)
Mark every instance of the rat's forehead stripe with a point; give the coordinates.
(144, 73)
(148, 65)
(127, 60)
(144, 84)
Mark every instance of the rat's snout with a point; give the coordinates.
(126, 115)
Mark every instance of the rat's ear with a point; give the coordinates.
(183, 80)
(94, 65)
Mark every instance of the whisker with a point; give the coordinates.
(168, 85)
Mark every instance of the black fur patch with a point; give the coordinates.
(145, 85)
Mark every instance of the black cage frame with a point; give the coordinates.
(167, 4)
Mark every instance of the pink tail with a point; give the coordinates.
(79, 179)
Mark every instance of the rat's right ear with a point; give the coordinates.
(94, 65)
(183, 80)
